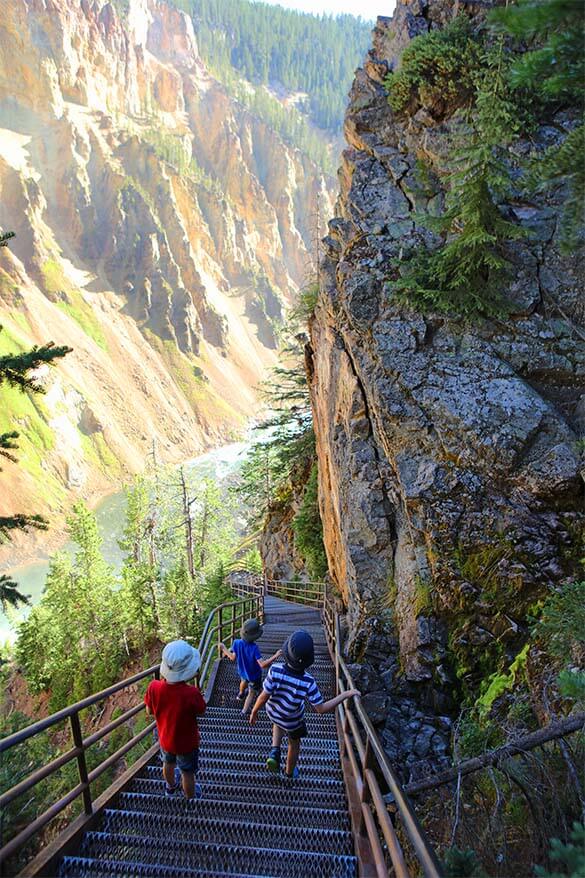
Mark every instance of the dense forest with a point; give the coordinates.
(316, 55)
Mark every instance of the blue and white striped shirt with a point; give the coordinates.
(288, 692)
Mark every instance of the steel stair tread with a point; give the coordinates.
(235, 809)
(317, 798)
(232, 858)
(110, 868)
(184, 826)
(260, 777)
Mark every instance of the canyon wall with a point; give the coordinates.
(162, 229)
(450, 469)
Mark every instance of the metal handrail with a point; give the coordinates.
(228, 616)
(358, 732)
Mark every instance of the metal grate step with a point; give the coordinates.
(252, 812)
(247, 743)
(220, 831)
(225, 717)
(80, 867)
(225, 858)
(314, 766)
(244, 790)
(311, 778)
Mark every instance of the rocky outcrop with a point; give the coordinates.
(450, 485)
(161, 231)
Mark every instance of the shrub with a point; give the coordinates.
(562, 624)
(309, 530)
(436, 71)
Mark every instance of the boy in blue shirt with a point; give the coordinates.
(246, 653)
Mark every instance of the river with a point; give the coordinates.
(110, 514)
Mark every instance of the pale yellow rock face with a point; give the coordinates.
(151, 211)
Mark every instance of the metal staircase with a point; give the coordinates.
(248, 822)
(345, 815)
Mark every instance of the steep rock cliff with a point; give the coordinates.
(161, 230)
(449, 464)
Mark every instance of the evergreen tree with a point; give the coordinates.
(17, 370)
(464, 273)
(555, 68)
(72, 641)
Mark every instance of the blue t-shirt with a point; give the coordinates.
(247, 655)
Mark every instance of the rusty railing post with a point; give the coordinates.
(81, 763)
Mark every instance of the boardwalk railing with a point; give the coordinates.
(222, 624)
(366, 767)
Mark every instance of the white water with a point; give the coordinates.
(110, 514)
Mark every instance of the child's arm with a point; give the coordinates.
(265, 663)
(227, 652)
(200, 703)
(260, 702)
(329, 706)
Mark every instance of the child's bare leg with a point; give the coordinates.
(188, 782)
(168, 770)
(277, 734)
(250, 699)
(294, 748)
(243, 685)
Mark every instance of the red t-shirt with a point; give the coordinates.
(175, 707)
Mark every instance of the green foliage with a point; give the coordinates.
(462, 864)
(463, 274)
(308, 529)
(307, 301)
(436, 70)
(82, 313)
(71, 642)
(562, 623)
(570, 858)
(423, 597)
(476, 735)
(564, 164)
(15, 371)
(285, 447)
(572, 685)
(310, 54)
(555, 68)
(500, 683)
(555, 64)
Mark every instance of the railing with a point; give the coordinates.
(365, 764)
(222, 623)
(311, 593)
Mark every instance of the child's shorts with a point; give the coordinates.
(188, 762)
(298, 733)
(254, 685)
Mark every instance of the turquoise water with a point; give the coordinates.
(110, 514)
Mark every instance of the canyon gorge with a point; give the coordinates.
(162, 228)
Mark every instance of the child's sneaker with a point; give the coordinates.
(241, 696)
(294, 775)
(273, 761)
(170, 791)
(198, 794)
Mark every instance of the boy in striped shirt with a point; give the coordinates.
(286, 689)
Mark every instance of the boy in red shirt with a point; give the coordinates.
(175, 706)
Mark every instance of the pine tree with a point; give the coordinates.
(555, 68)
(463, 274)
(15, 370)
